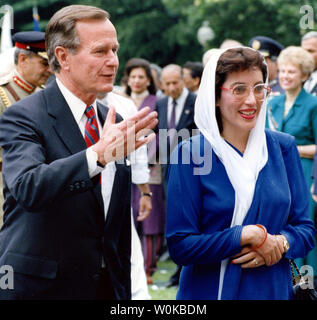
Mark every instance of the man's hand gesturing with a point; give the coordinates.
(120, 139)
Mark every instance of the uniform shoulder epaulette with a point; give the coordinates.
(4, 98)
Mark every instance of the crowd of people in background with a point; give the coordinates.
(171, 90)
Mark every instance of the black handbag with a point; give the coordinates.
(300, 285)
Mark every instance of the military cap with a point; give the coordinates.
(31, 40)
(267, 46)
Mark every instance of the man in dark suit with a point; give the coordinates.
(66, 230)
(175, 114)
(309, 43)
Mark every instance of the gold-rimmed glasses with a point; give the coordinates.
(241, 91)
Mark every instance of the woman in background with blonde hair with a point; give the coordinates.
(295, 112)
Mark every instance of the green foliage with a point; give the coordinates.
(165, 31)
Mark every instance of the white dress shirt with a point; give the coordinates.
(78, 108)
(140, 174)
(311, 82)
(138, 158)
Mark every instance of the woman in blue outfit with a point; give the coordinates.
(295, 113)
(237, 204)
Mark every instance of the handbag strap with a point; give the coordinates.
(294, 265)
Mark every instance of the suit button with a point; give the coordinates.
(96, 277)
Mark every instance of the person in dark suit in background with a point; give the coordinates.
(67, 222)
(175, 113)
(309, 43)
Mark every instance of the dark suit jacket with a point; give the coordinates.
(54, 234)
(186, 121)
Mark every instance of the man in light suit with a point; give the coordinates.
(175, 112)
(67, 223)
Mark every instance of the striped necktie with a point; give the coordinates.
(91, 127)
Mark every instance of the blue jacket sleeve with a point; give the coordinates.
(186, 242)
(299, 229)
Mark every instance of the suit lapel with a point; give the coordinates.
(163, 123)
(58, 108)
(185, 114)
(70, 134)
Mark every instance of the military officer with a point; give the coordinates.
(270, 49)
(31, 72)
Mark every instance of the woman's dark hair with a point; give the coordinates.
(233, 60)
(139, 63)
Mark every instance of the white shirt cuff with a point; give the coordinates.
(92, 158)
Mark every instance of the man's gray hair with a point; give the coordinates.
(61, 29)
(17, 52)
(308, 35)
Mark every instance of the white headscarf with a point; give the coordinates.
(242, 171)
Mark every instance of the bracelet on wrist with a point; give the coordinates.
(264, 239)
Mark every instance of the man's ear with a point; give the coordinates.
(22, 58)
(62, 55)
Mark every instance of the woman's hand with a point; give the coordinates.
(248, 259)
(270, 251)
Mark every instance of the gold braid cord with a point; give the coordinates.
(4, 98)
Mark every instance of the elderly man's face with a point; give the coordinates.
(311, 46)
(172, 82)
(34, 69)
(92, 69)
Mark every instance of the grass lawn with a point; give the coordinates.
(158, 290)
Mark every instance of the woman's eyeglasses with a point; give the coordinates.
(242, 91)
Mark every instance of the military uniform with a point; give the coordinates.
(14, 88)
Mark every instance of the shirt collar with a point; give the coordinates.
(76, 105)
(181, 99)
